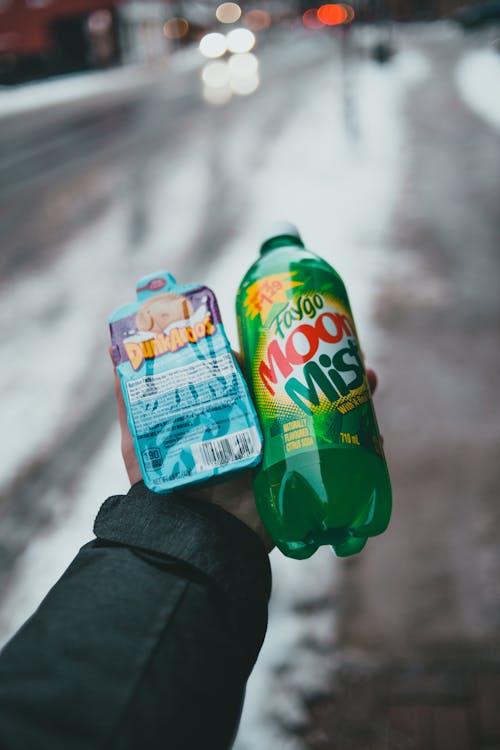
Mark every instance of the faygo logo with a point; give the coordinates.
(320, 356)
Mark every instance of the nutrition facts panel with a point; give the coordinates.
(184, 391)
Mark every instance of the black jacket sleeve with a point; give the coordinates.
(148, 638)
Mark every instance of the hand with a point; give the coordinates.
(128, 451)
(234, 494)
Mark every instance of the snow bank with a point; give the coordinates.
(478, 80)
(81, 88)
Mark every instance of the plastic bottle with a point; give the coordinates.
(323, 478)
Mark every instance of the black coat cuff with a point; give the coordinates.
(196, 532)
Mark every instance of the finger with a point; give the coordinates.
(120, 403)
(128, 451)
(238, 358)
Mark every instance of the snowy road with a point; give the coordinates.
(191, 192)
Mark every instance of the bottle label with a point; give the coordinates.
(307, 372)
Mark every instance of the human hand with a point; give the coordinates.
(234, 494)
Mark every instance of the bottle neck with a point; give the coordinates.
(284, 240)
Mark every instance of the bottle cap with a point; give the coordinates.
(281, 229)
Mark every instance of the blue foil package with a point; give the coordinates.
(188, 405)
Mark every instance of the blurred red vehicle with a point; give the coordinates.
(46, 37)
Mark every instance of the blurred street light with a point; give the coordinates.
(175, 28)
(213, 45)
(332, 14)
(310, 19)
(228, 13)
(240, 40)
(257, 20)
(350, 13)
(238, 72)
(216, 74)
(244, 85)
(329, 14)
(243, 65)
(217, 95)
(99, 22)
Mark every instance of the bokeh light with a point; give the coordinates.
(245, 85)
(216, 74)
(243, 65)
(175, 28)
(240, 40)
(257, 20)
(310, 19)
(99, 22)
(213, 45)
(350, 13)
(222, 79)
(332, 15)
(228, 12)
(217, 95)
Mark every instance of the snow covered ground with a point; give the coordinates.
(478, 80)
(340, 191)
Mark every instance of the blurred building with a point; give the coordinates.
(402, 10)
(48, 37)
(42, 37)
(141, 30)
(421, 10)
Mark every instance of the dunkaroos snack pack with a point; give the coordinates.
(188, 406)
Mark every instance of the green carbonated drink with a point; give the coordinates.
(323, 478)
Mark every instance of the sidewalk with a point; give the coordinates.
(417, 666)
(428, 702)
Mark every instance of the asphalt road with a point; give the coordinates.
(62, 168)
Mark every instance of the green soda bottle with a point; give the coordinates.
(323, 478)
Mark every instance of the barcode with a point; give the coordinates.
(226, 450)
